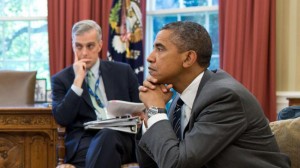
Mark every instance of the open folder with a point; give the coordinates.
(128, 125)
(120, 119)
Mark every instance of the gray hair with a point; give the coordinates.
(188, 35)
(85, 26)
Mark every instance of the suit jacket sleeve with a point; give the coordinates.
(215, 122)
(65, 101)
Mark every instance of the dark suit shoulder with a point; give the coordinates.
(111, 64)
(115, 67)
(66, 71)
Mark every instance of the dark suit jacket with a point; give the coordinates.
(72, 111)
(227, 129)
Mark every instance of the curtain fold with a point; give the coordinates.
(62, 14)
(247, 47)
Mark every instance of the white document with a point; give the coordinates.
(117, 108)
(128, 125)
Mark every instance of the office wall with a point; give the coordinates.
(287, 51)
(288, 45)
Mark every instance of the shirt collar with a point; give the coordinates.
(189, 94)
(96, 68)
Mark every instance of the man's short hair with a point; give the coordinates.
(85, 26)
(187, 35)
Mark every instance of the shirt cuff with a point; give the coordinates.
(77, 90)
(154, 119)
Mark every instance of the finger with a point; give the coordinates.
(142, 89)
(164, 88)
(169, 86)
(148, 84)
(151, 79)
(84, 67)
(76, 57)
(85, 60)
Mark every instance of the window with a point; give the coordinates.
(204, 12)
(24, 36)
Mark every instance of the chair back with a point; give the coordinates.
(17, 88)
(288, 138)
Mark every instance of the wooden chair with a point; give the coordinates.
(61, 149)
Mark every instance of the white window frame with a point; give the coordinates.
(152, 12)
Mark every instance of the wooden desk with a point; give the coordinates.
(294, 101)
(27, 137)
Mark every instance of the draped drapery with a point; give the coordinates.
(62, 14)
(247, 47)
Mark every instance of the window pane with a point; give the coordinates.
(160, 21)
(23, 8)
(213, 31)
(16, 40)
(14, 7)
(1, 41)
(175, 4)
(192, 3)
(16, 65)
(198, 18)
(42, 67)
(214, 62)
(166, 4)
(38, 8)
(39, 41)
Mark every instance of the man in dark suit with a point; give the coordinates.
(77, 98)
(218, 124)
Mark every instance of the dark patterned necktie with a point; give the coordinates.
(176, 118)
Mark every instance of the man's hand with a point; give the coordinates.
(155, 97)
(142, 115)
(65, 166)
(79, 67)
(151, 83)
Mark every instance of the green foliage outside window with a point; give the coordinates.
(24, 37)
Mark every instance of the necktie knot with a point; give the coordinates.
(179, 102)
(90, 74)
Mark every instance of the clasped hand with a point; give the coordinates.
(154, 94)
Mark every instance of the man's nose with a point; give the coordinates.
(84, 51)
(151, 57)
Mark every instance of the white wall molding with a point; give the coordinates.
(282, 96)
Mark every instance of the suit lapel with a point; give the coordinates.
(108, 79)
(85, 95)
(206, 76)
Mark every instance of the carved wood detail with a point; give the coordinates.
(27, 138)
(25, 120)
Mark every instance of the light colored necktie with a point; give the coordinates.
(94, 91)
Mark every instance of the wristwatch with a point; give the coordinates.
(155, 110)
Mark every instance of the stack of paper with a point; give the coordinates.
(120, 117)
(128, 125)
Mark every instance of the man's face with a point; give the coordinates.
(86, 46)
(165, 62)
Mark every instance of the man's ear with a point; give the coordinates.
(190, 58)
(100, 45)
